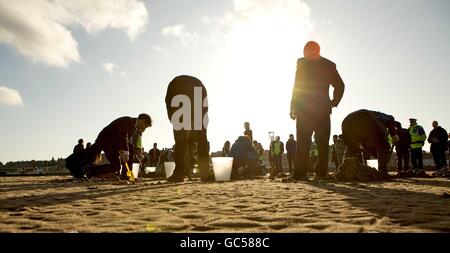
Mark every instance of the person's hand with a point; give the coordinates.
(395, 138)
(293, 115)
(124, 155)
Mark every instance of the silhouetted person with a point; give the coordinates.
(340, 149)
(248, 131)
(277, 154)
(114, 141)
(154, 155)
(369, 130)
(334, 158)
(402, 148)
(244, 155)
(187, 107)
(311, 107)
(88, 145)
(136, 141)
(439, 143)
(226, 149)
(291, 147)
(313, 153)
(79, 146)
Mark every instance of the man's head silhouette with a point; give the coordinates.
(311, 50)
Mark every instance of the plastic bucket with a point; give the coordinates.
(222, 168)
(169, 168)
(372, 163)
(149, 170)
(136, 167)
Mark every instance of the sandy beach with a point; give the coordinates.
(62, 204)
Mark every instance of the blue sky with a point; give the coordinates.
(69, 68)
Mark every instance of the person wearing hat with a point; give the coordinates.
(311, 106)
(418, 138)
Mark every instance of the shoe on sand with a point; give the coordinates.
(176, 178)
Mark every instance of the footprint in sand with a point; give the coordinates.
(191, 216)
(30, 226)
(278, 226)
(91, 213)
(202, 228)
(180, 202)
(16, 214)
(318, 226)
(235, 224)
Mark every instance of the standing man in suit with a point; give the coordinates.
(311, 107)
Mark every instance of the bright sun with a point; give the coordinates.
(257, 65)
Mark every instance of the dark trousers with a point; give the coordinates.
(439, 158)
(305, 128)
(402, 159)
(291, 162)
(153, 163)
(250, 167)
(278, 164)
(416, 158)
(184, 143)
(362, 127)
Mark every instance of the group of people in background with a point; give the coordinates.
(365, 133)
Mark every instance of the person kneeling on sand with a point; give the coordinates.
(114, 141)
(245, 156)
(370, 129)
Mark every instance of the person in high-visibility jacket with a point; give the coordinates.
(418, 138)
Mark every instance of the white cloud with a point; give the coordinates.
(179, 31)
(113, 69)
(40, 29)
(161, 50)
(205, 20)
(109, 67)
(10, 97)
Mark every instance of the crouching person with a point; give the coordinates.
(245, 156)
(370, 129)
(187, 109)
(113, 140)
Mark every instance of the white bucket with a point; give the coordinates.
(149, 169)
(136, 167)
(169, 167)
(222, 168)
(372, 163)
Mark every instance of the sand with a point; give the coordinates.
(61, 204)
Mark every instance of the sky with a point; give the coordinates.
(70, 67)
